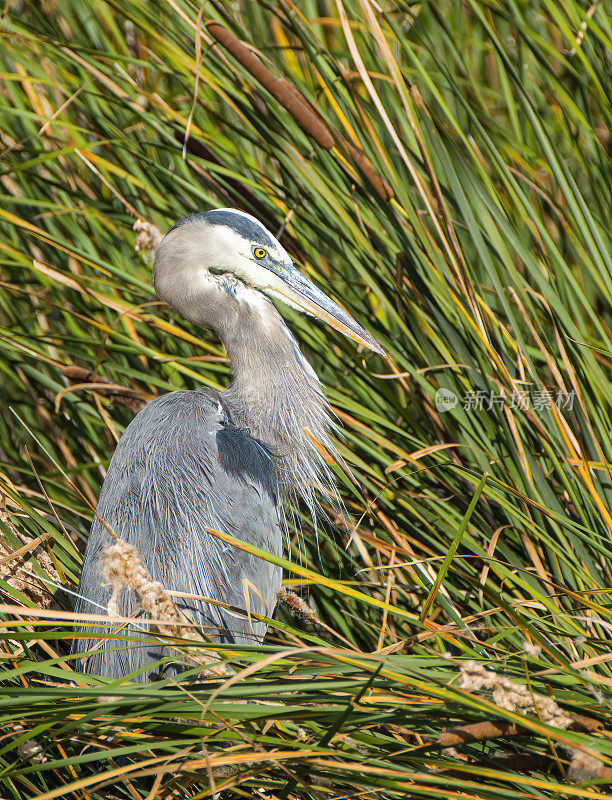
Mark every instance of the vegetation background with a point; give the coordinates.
(441, 168)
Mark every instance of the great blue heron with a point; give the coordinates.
(223, 460)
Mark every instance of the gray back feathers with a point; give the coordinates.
(181, 468)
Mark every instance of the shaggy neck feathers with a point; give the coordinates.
(277, 396)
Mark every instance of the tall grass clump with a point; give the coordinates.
(443, 170)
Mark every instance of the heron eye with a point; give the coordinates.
(259, 252)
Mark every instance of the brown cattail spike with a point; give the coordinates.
(297, 606)
(297, 105)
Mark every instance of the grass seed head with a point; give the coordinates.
(512, 696)
(583, 767)
(149, 235)
(123, 569)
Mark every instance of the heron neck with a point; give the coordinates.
(277, 396)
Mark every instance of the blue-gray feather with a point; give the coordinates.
(249, 228)
(182, 466)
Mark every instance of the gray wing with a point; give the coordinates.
(181, 466)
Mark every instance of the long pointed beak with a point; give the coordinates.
(299, 292)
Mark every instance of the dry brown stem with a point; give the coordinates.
(133, 399)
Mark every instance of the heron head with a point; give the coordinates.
(214, 244)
